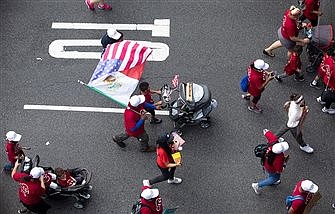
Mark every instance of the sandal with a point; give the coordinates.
(268, 53)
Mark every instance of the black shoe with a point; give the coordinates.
(149, 149)
(316, 86)
(156, 121)
(299, 79)
(121, 144)
(24, 210)
(279, 79)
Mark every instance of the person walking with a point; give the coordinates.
(31, 189)
(274, 161)
(101, 4)
(147, 92)
(134, 118)
(258, 79)
(288, 33)
(304, 189)
(13, 150)
(111, 36)
(165, 162)
(311, 11)
(151, 201)
(296, 111)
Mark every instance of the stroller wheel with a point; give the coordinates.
(205, 124)
(78, 205)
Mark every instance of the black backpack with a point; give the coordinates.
(261, 151)
(136, 209)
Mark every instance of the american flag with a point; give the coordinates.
(175, 81)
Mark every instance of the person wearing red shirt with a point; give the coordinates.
(31, 189)
(134, 117)
(293, 66)
(258, 79)
(311, 11)
(13, 149)
(101, 4)
(165, 161)
(306, 189)
(274, 161)
(326, 72)
(288, 33)
(147, 92)
(151, 201)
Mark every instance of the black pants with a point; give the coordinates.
(328, 96)
(167, 173)
(39, 208)
(151, 111)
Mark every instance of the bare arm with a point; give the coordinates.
(15, 168)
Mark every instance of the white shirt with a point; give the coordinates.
(294, 114)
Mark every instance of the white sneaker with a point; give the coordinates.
(277, 182)
(328, 110)
(307, 149)
(146, 183)
(85, 195)
(320, 101)
(281, 139)
(175, 180)
(256, 188)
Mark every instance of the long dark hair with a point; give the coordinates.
(164, 145)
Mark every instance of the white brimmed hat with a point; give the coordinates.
(309, 186)
(261, 65)
(136, 100)
(37, 172)
(280, 147)
(12, 136)
(149, 193)
(113, 33)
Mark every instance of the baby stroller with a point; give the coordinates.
(193, 105)
(79, 192)
(321, 39)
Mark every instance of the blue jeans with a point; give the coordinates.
(273, 177)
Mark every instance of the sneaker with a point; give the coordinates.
(277, 182)
(155, 121)
(281, 140)
(256, 188)
(328, 110)
(316, 86)
(89, 4)
(104, 7)
(279, 79)
(24, 210)
(149, 149)
(307, 149)
(175, 180)
(299, 79)
(246, 96)
(121, 144)
(255, 109)
(84, 195)
(146, 183)
(320, 101)
(333, 206)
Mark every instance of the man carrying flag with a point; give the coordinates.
(134, 118)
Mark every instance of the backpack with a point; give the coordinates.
(136, 209)
(289, 200)
(261, 151)
(244, 83)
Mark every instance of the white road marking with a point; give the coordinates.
(82, 109)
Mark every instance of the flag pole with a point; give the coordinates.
(100, 92)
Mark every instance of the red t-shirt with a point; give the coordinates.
(311, 5)
(30, 192)
(148, 97)
(292, 65)
(277, 164)
(155, 204)
(299, 205)
(326, 71)
(163, 158)
(47, 179)
(130, 120)
(256, 80)
(13, 150)
(289, 27)
(67, 181)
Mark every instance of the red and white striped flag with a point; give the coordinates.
(175, 81)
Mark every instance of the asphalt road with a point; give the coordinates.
(211, 42)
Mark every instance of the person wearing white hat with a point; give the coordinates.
(101, 4)
(274, 161)
(111, 36)
(304, 189)
(13, 149)
(296, 111)
(258, 79)
(31, 189)
(134, 118)
(151, 201)
(288, 33)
